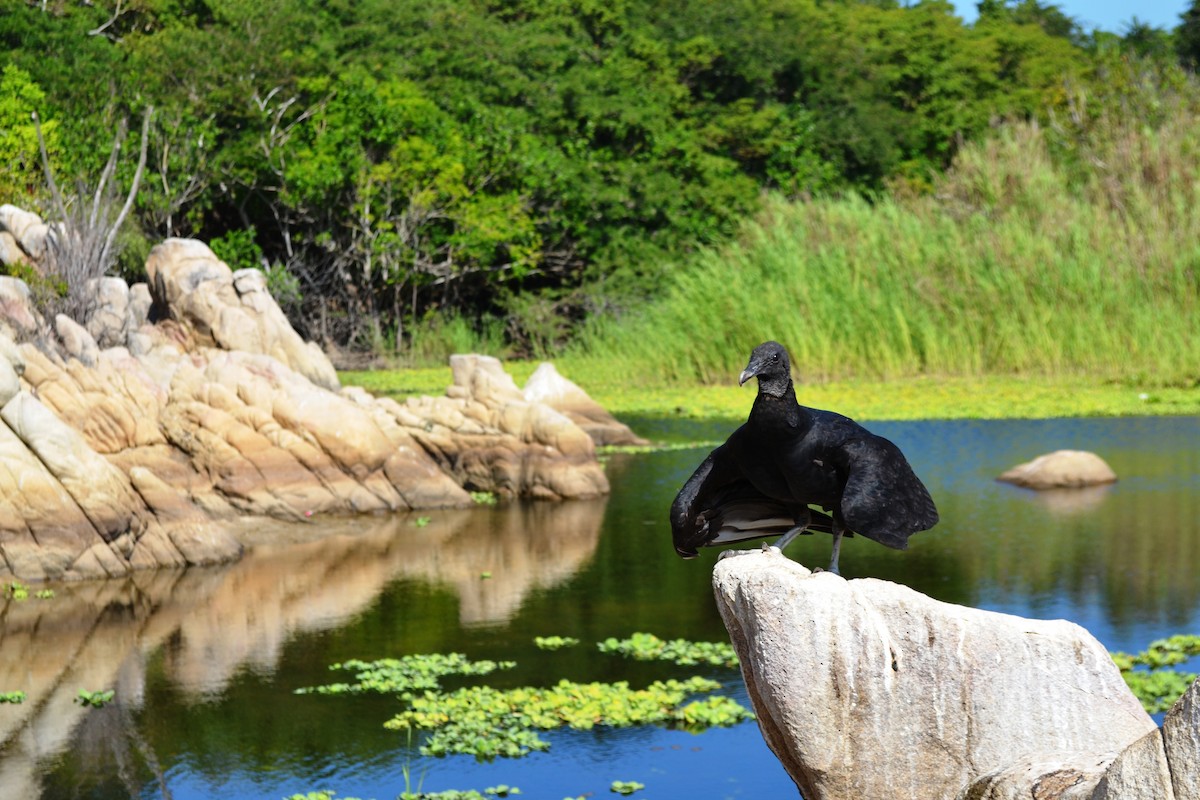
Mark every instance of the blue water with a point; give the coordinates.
(204, 663)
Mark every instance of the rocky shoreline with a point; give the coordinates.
(128, 438)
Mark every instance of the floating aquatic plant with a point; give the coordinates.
(12, 697)
(626, 787)
(454, 794)
(555, 642)
(94, 699)
(404, 675)
(1156, 687)
(488, 722)
(648, 647)
(451, 794)
(19, 591)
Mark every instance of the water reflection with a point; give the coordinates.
(1069, 502)
(204, 661)
(208, 623)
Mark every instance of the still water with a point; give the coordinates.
(204, 662)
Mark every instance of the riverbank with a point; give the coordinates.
(925, 397)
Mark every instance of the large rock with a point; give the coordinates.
(489, 437)
(230, 311)
(19, 320)
(1061, 469)
(132, 440)
(1162, 765)
(76, 341)
(68, 513)
(865, 688)
(109, 316)
(27, 231)
(548, 387)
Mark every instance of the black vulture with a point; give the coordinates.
(774, 472)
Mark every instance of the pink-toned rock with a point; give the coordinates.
(1061, 469)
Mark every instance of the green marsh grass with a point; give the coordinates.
(630, 396)
(1053, 271)
(1014, 265)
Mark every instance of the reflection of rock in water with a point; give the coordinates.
(210, 622)
(84, 639)
(519, 547)
(1068, 502)
(278, 590)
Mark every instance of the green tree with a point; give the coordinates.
(1187, 37)
(395, 202)
(21, 177)
(1147, 41)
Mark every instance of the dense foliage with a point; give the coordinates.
(1045, 248)
(498, 170)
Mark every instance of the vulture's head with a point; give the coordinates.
(769, 363)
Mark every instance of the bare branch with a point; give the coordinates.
(102, 28)
(54, 192)
(137, 179)
(107, 173)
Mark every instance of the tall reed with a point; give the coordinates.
(1023, 260)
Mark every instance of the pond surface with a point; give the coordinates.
(204, 662)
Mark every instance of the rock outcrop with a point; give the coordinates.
(488, 436)
(865, 688)
(549, 387)
(1062, 469)
(128, 439)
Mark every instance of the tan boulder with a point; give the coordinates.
(42, 529)
(490, 438)
(550, 388)
(865, 688)
(115, 405)
(27, 230)
(1061, 469)
(109, 313)
(192, 536)
(98, 488)
(11, 254)
(19, 320)
(230, 311)
(10, 380)
(76, 341)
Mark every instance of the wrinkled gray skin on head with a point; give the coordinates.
(769, 363)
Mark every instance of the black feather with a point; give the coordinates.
(786, 461)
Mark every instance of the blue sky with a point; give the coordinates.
(1109, 15)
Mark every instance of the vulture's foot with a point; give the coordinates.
(731, 553)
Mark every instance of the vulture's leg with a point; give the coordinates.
(802, 523)
(786, 539)
(838, 530)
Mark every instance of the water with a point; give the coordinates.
(204, 662)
